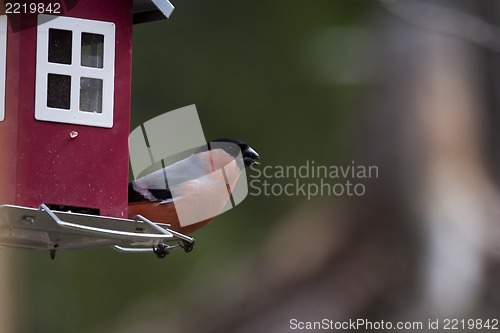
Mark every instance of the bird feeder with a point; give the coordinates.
(65, 91)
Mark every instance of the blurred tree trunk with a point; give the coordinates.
(446, 123)
(451, 186)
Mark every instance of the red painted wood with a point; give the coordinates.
(90, 170)
(8, 127)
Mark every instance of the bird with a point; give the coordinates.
(179, 191)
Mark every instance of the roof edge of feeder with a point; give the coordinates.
(152, 10)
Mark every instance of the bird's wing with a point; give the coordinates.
(139, 194)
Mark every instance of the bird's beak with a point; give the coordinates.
(252, 155)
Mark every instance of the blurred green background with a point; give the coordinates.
(324, 81)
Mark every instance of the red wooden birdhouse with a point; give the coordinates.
(65, 88)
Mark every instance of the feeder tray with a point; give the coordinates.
(46, 229)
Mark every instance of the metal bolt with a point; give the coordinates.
(28, 219)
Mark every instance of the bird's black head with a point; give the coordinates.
(250, 156)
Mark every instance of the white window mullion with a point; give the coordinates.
(75, 100)
(57, 68)
(75, 58)
(90, 72)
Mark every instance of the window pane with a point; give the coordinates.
(92, 50)
(58, 91)
(60, 42)
(90, 95)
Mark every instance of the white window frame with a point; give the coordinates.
(3, 63)
(75, 70)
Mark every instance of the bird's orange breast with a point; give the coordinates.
(163, 213)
